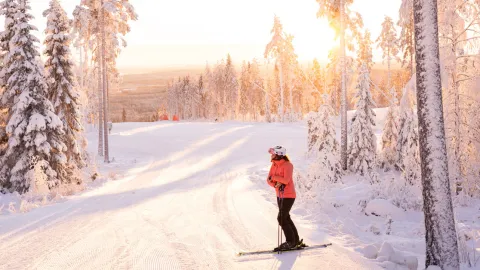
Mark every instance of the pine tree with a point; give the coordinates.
(35, 154)
(245, 102)
(387, 41)
(406, 41)
(363, 143)
(231, 89)
(341, 18)
(412, 172)
(275, 48)
(101, 25)
(403, 119)
(8, 9)
(441, 236)
(324, 146)
(365, 54)
(62, 88)
(390, 136)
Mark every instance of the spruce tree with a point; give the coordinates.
(35, 147)
(325, 147)
(411, 173)
(363, 143)
(62, 88)
(8, 9)
(390, 136)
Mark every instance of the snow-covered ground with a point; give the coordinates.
(187, 196)
(190, 195)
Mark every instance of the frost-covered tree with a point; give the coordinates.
(257, 89)
(8, 9)
(362, 148)
(411, 172)
(230, 97)
(387, 41)
(334, 68)
(341, 18)
(459, 36)
(406, 39)
(62, 87)
(441, 237)
(275, 48)
(389, 137)
(35, 154)
(245, 102)
(101, 26)
(323, 145)
(365, 54)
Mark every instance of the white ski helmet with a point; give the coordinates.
(278, 150)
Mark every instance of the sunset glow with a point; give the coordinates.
(187, 32)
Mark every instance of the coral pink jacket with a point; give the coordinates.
(282, 171)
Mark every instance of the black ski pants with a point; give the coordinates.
(285, 221)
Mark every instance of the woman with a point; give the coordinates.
(280, 177)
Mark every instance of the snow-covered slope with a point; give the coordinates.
(186, 196)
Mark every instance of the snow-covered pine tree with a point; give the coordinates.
(275, 49)
(257, 89)
(405, 112)
(406, 40)
(35, 147)
(441, 236)
(365, 54)
(8, 9)
(341, 18)
(411, 172)
(390, 135)
(231, 89)
(362, 148)
(62, 88)
(387, 41)
(325, 147)
(245, 103)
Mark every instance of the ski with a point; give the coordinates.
(304, 247)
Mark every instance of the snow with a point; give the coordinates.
(384, 208)
(183, 195)
(190, 195)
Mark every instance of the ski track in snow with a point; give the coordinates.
(192, 201)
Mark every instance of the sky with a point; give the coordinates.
(193, 32)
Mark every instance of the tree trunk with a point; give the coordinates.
(441, 238)
(280, 108)
(343, 110)
(105, 94)
(389, 79)
(100, 107)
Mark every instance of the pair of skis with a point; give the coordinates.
(302, 247)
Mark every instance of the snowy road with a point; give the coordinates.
(195, 196)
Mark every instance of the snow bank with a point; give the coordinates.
(389, 258)
(383, 208)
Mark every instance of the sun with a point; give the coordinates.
(315, 41)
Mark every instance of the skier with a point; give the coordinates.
(280, 177)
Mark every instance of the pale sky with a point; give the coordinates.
(192, 32)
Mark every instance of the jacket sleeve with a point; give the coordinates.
(270, 183)
(287, 174)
